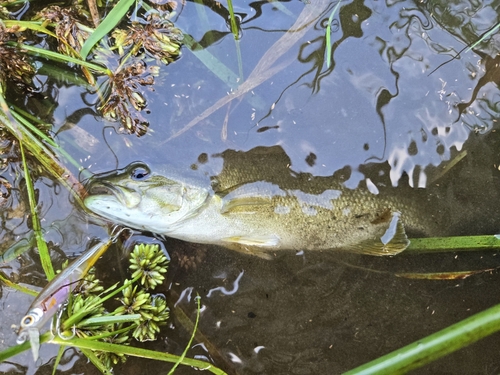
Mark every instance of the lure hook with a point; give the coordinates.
(116, 231)
(59, 333)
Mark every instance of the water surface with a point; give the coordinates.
(393, 106)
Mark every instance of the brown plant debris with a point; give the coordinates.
(126, 99)
(14, 65)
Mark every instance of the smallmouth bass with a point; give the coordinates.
(261, 208)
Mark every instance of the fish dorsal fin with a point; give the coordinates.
(393, 241)
(248, 197)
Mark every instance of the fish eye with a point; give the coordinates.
(139, 173)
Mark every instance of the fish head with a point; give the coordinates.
(141, 198)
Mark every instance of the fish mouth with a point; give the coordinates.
(106, 189)
(103, 188)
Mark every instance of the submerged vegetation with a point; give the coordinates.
(138, 317)
(118, 52)
(85, 315)
(128, 57)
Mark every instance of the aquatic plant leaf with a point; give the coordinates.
(60, 353)
(68, 59)
(31, 25)
(198, 299)
(483, 37)
(37, 228)
(457, 275)
(36, 147)
(328, 36)
(92, 357)
(33, 129)
(112, 19)
(216, 66)
(435, 346)
(108, 319)
(136, 352)
(232, 18)
(186, 323)
(17, 349)
(460, 243)
(18, 287)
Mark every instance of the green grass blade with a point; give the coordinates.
(135, 352)
(63, 74)
(32, 25)
(112, 19)
(236, 34)
(29, 117)
(60, 353)
(232, 18)
(59, 57)
(96, 361)
(17, 349)
(328, 37)
(460, 243)
(23, 117)
(181, 358)
(485, 36)
(15, 286)
(37, 228)
(434, 346)
(188, 325)
(43, 154)
(109, 319)
(73, 319)
(33, 129)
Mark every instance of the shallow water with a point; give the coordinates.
(386, 109)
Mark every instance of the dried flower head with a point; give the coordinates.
(126, 99)
(14, 65)
(69, 25)
(159, 37)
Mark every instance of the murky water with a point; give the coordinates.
(392, 106)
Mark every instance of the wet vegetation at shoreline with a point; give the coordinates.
(119, 52)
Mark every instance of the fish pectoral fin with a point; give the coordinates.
(252, 245)
(257, 241)
(379, 247)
